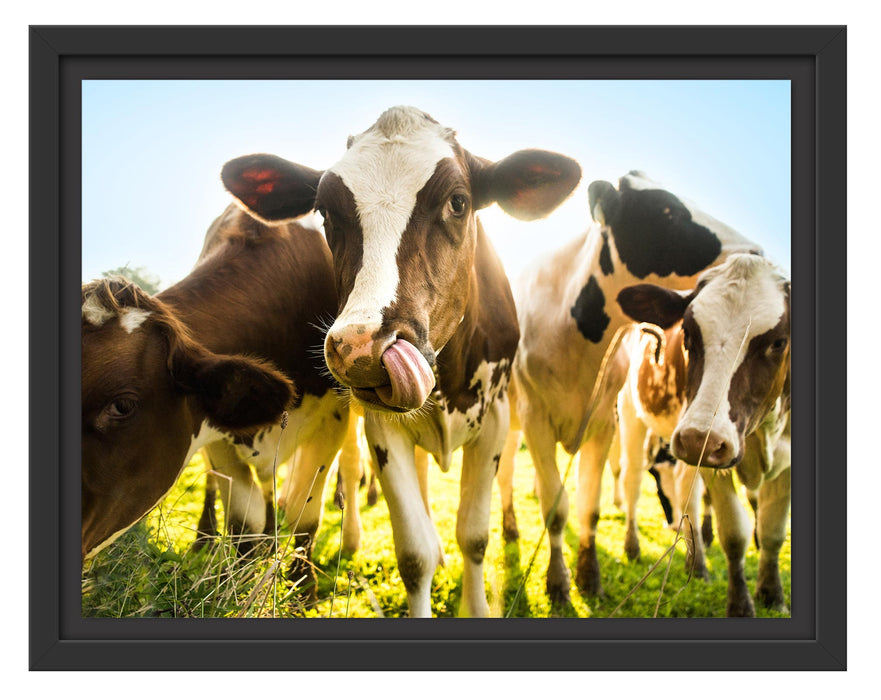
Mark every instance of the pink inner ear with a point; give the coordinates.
(260, 175)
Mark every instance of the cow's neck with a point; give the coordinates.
(275, 314)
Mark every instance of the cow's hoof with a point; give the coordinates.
(558, 580)
(707, 530)
(302, 576)
(202, 540)
(587, 575)
(631, 549)
(372, 494)
(741, 607)
(509, 527)
(558, 594)
(772, 599)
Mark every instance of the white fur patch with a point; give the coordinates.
(97, 314)
(385, 168)
(94, 312)
(742, 300)
(133, 318)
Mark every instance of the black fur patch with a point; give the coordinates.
(606, 256)
(381, 456)
(654, 233)
(589, 311)
(496, 459)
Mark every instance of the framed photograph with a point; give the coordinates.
(130, 129)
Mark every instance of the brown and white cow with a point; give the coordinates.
(568, 320)
(736, 333)
(648, 409)
(427, 329)
(165, 375)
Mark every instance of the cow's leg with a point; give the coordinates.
(304, 489)
(505, 477)
(614, 461)
(416, 540)
(689, 489)
(420, 460)
(206, 530)
(590, 477)
(734, 527)
(542, 447)
(479, 461)
(707, 520)
(773, 504)
(243, 500)
(633, 436)
(350, 472)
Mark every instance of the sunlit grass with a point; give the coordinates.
(151, 570)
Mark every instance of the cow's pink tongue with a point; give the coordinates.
(411, 378)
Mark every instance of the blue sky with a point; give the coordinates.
(153, 150)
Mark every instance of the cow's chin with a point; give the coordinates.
(370, 400)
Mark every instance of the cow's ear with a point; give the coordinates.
(648, 303)
(237, 393)
(528, 184)
(603, 199)
(271, 188)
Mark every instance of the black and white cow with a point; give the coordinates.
(427, 330)
(736, 333)
(568, 319)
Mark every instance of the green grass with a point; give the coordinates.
(152, 572)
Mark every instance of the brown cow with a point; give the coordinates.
(258, 291)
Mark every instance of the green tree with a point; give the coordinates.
(141, 276)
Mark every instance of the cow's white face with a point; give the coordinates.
(737, 330)
(736, 334)
(400, 219)
(384, 169)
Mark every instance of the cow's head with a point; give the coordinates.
(656, 232)
(147, 389)
(736, 334)
(400, 218)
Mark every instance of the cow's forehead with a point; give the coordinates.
(743, 296)
(386, 166)
(97, 313)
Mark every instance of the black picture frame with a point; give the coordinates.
(812, 57)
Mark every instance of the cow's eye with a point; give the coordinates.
(458, 203)
(780, 344)
(121, 407)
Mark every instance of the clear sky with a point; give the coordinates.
(153, 150)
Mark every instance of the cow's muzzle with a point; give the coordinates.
(389, 374)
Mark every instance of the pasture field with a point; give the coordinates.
(151, 571)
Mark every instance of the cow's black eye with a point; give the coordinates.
(780, 344)
(458, 203)
(120, 408)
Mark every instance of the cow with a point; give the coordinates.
(212, 362)
(648, 408)
(427, 329)
(736, 333)
(572, 358)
